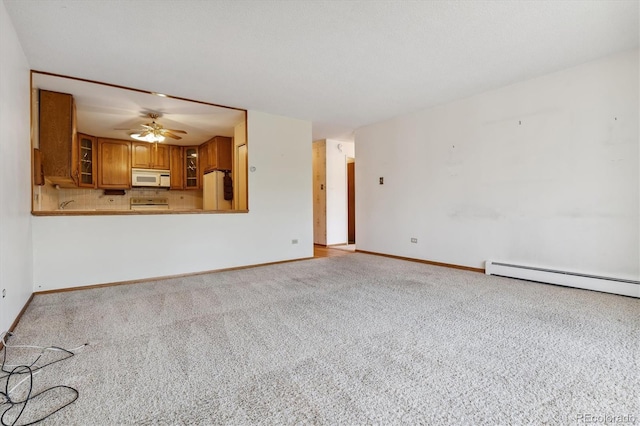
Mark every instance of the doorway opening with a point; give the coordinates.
(334, 194)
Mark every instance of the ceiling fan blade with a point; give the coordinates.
(176, 131)
(147, 126)
(171, 135)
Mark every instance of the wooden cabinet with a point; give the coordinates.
(145, 155)
(191, 167)
(38, 172)
(161, 159)
(225, 149)
(184, 167)
(114, 164)
(215, 154)
(203, 158)
(141, 155)
(176, 166)
(58, 139)
(87, 160)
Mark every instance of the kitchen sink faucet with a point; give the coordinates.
(65, 204)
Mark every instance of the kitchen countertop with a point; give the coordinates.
(129, 212)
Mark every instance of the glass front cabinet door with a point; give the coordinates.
(191, 168)
(87, 161)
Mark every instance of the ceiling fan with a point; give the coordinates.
(154, 132)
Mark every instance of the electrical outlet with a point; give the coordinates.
(294, 241)
(414, 240)
(381, 181)
(4, 293)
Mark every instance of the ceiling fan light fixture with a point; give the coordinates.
(154, 132)
(149, 137)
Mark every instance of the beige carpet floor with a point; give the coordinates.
(356, 339)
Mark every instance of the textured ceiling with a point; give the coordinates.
(340, 64)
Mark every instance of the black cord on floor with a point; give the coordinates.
(28, 371)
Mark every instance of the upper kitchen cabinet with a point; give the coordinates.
(176, 166)
(87, 163)
(184, 167)
(216, 154)
(145, 155)
(191, 168)
(203, 157)
(58, 139)
(161, 160)
(114, 164)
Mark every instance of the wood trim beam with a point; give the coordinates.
(428, 262)
(117, 86)
(17, 320)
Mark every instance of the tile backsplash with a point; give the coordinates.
(49, 198)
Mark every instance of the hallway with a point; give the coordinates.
(322, 251)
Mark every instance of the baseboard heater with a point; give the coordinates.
(569, 279)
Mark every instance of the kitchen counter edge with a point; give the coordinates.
(129, 212)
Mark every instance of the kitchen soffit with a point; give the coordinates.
(102, 108)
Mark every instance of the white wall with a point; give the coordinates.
(15, 175)
(84, 250)
(336, 177)
(543, 172)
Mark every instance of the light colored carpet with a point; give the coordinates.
(356, 339)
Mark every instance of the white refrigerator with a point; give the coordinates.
(213, 192)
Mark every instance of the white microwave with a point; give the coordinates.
(150, 177)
